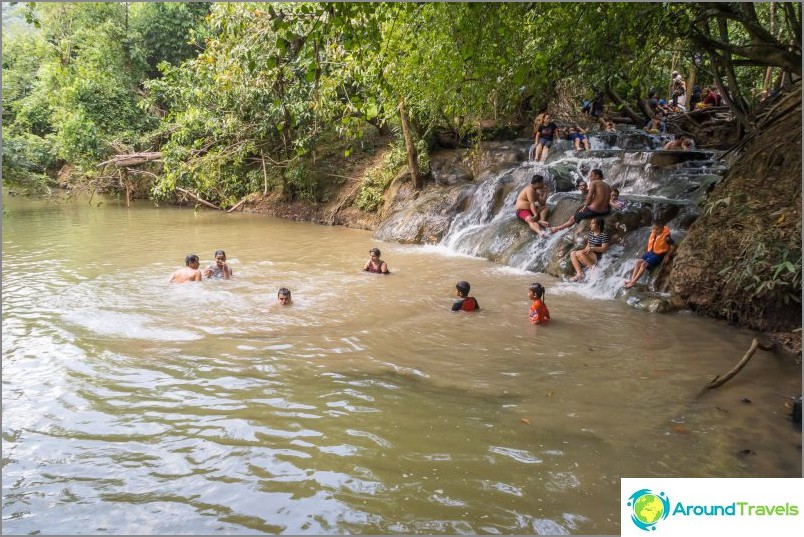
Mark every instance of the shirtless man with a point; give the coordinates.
(681, 143)
(190, 273)
(595, 204)
(531, 205)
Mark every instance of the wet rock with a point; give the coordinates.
(422, 218)
(665, 159)
(489, 154)
(651, 302)
(450, 167)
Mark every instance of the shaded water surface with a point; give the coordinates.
(131, 405)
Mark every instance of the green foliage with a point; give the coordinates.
(27, 160)
(169, 31)
(234, 83)
(377, 180)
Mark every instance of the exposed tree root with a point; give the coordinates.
(722, 379)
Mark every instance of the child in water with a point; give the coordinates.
(539, 314)
(464, 302)
(375, 264)
(283, 296)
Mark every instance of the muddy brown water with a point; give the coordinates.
(134, 406)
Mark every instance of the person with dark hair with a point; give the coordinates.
(615, 203)
(531, 205)
(220, 269)
(597, 243)
(713, 97)
(547, 133)
(656, 125)
(464, 302)
(583, 188)
(659, 251)
(188, 273)
(696, 97)
(653, 101)
(597, 104)
(595, 204)
(283, 296)
(577, 136)
(539, 314)
(375, 264)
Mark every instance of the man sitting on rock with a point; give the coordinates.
(595, 204)
(531, 205)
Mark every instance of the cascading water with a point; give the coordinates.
(652, 182)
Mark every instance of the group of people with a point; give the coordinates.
(546, 132)
(220, 269)
(600, 199)
(539, 314)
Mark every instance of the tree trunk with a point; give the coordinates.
(413, 159)
(627, 110)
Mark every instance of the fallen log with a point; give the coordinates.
(197, 199)
(133, 159)
(239, 203)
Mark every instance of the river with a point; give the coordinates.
(131, 405)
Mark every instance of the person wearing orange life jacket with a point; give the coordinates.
(660, 250)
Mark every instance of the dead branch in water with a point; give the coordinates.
(199, 200)
(239, 203)
(721, 380)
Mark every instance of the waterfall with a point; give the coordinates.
(651, 182)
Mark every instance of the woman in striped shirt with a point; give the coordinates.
(597, 243)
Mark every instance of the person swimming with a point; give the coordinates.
(283, 296)
(375, 264)
(464, 302)
(220, 269)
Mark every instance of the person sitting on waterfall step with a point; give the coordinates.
(531, 205)
(578, 137)
(656, 125)
(464, 302)
(660, 249)
(219, 269)
(597, 243)
(283, 296)
(539, 314)
(595, 204)
(680, 143)
(188, 273)
(375, 264)
(538, 121)
(615, 202)
(607, 125)
(583, 188)
(548, 132)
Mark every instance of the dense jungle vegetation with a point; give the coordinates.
(236, 98)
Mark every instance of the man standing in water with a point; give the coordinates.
(189, 273)
(596, 203)
(531, 205)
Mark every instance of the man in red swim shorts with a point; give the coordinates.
(531, 205)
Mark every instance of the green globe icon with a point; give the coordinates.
(648, 509)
